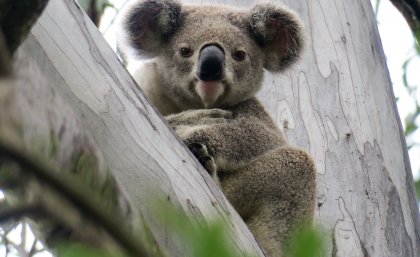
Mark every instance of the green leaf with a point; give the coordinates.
(410, 122)
(417, 38)
(203, 240)
(307, 242)
(404, 76)
(77, 250)
(417, 186)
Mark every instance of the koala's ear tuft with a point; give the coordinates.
(148, 25)
(280, 34)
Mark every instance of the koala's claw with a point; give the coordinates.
(208, 163)
(200, 151)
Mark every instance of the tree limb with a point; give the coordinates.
(65, 185)
(5, 66)
(17, 18)
(18, 212)
(410, 9)
(142, 151)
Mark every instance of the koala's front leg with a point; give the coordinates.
(275, 194)
(193, 121)
(200, 151)
(232, 144)
(199, 117)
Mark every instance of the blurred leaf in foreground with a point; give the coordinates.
(307, 242)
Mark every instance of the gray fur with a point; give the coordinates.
(271, 184)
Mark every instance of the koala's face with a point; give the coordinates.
(213, 56)
(211, 62)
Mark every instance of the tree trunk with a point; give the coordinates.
(142, 153)
(337, 103)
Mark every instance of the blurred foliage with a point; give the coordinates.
(307, 242)
(209, 240)
(77, 250)
(417, 185)
(411, 120)
(200, 239)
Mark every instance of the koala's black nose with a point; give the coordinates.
(211, 63)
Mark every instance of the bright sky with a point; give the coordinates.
(398, 45)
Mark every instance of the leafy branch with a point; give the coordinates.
(74, 192)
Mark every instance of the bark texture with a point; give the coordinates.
(337, 103)
(142, 153)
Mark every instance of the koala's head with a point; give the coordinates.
(212, 56)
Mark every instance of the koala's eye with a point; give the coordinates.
(185, 52)
(239, 55)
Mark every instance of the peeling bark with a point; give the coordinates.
(337, 103)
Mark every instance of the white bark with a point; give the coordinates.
(337, 103)
(145, 156)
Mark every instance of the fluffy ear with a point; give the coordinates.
(148, 24)
(279, 32)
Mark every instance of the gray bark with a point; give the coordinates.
(337, 103)
(142, 153)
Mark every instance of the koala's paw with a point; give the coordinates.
(199, 117)
(200, 151)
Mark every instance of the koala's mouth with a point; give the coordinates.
(209, 91)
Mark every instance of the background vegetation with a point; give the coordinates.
(208, 241)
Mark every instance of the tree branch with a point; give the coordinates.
(93, 13)
(410, 9)
(5, 65)
(76, 195)
(19, 211)
(17, 18)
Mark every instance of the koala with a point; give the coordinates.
(207, 63)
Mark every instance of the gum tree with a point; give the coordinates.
(90, 150)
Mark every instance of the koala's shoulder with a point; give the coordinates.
(253, 108)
